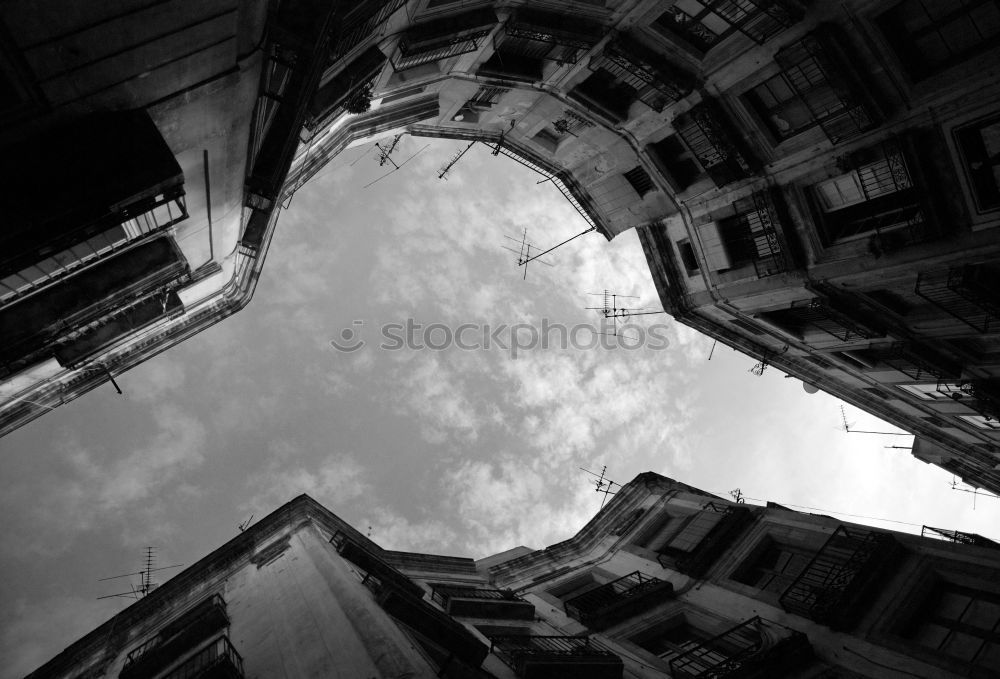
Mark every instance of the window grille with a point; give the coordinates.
(970, 293)
(706, 131)
(639, 180)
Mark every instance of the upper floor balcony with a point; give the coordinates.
(482, 603)
(835, 587)
(556, 657)
(919, 362)
(436, 630)
(819, 70)
(175, 638)
(443, 38)
(708, 133)
(982, 396)
(704, 538)
(957, 536)
(703, 25)
(530, 37)
(218, 660)
(755, 649)
(619, 599)
(361, 22)
(656, 82)
(378, 575)
(970, 293)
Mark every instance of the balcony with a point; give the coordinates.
(176, 638)
(569, 32)
(482, 603)
(656, 82)
(331, 98)
(709, 533)
(958, 537)
(982, 396)
(708, 134)
(617, 600)
(760, 20)
(378, 574)
(970, 293)
(755, 649)
(556, 657)
(751, 236)
(437, 627)
(218, 660)
(836, 585)
(836, 319)
(918, 362)
(444, 38)
(820, 72)
(362, 22)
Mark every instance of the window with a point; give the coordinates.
(639, 180)
(931, 392)
(931, 35)
(961, 623)
(669, 643)
(675, 162)
(687, 257)
(773, 567)
(782, 110)
(705, 23)
(981, 421)
(979, 147)
(875, 196)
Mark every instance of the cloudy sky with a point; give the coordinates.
(464, 452)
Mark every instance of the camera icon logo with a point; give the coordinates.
(349, 341)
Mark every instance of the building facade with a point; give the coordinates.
(665, 581)
(814, 184)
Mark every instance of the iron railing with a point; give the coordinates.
(832, 319)
(138, 222)
(442, 594)
(831, 589)
(982, 396)
(706, 132)
(970, 293)
(656, 86)
(520, 652)
(918, 362)
(760, 20)
(360, 24)
(416, 53)
(814, 70)
(219, 657)
(631, 593)
(755, 649)
(957, 536)
(377, 574)
(755, 238)
(554, 29)
(704, 538)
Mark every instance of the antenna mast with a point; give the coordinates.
(146, 584)
(603, 484)
(443, 172)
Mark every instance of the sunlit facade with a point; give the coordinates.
(665, 581)
(814, 184)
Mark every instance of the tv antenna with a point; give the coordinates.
(847, 427)
(603, 484)
(524, 253)
(446, 168)
(614, 312)
(395, 168)
(528, 257)
(737, 496)
(246, 524)
(385, 152)
(146, 584)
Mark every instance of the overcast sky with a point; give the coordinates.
(463, 452)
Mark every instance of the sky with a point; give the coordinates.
(427, 446)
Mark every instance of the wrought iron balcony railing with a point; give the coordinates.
(555, 29)
(619, 599)
(378, 575)
(656, 82)
(833, 588)
(821, 75)
(175, 638)
(957, 536)
(218, 660)
(752, 236)
(361, 23)
(982, 396)
(705, 537)
(444, 38)
(556, 657)
(835, 320)
(918, 362)
(434, 625)
(760, 20)
(970, 293)
(755, 649)
(482, 603)
(707, 132)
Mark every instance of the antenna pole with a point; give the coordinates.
(582, 233)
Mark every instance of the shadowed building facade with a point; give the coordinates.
(665, 581)
(814, 184)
